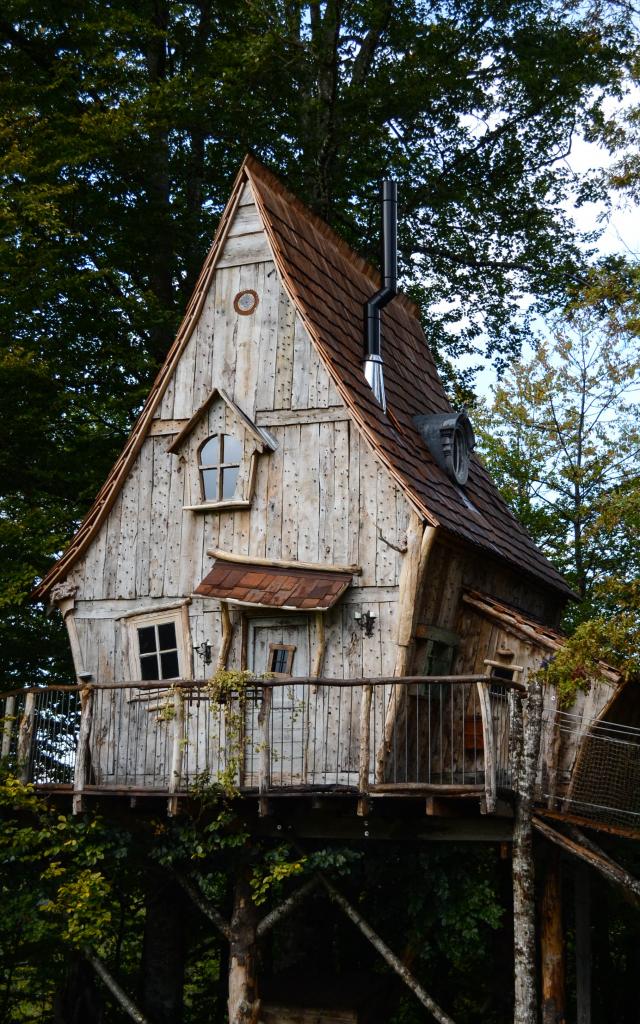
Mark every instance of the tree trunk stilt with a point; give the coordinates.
(551, 943)
(583, 944)
(244, 1004)
(526, 746)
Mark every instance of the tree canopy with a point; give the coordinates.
(122, 127)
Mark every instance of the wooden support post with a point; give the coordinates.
(25, 737)
(83, 753)
(490, 784)
(264, 728)
(227, 637)
(552, 753)
(551, 942)
(415, 559)
(177, 752)
(434, 1009)
(7, 726)
(243, 1003)
(526, 750)
(365, 749)
(583, 943)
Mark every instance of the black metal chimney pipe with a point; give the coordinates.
(373, 356)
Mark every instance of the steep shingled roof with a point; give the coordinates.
(329, 284)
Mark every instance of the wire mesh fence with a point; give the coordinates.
(597, 770)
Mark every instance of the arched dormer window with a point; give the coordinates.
(219, 459)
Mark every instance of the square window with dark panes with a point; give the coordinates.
(158, 651)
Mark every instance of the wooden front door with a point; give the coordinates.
(279, 647)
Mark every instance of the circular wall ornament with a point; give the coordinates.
(245, 302)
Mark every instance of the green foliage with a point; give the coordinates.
(614, 641)
(122, 126)
(228, 687)
(562, 440)
(276, 868)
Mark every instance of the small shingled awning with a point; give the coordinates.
(274, 586)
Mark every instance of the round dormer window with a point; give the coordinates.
(450, 439)
(460, 454)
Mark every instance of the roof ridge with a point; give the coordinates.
(257, 168)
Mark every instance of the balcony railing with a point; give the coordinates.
(370, 736)
(410, 736)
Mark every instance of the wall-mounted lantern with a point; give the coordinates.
(203, 651)
(366, 622)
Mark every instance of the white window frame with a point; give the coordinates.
(180, 618)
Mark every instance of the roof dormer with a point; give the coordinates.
(220, 446)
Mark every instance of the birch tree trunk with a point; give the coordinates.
(526, 750)
(243, 1002)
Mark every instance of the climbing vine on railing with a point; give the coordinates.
(229, 687)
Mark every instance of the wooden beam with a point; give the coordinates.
(365, 750)
(282, 563)
(81, 771)
(177, 752)
(582, 909)
(490, 759)
(25, 736)
(285, 908)
(264, 728)
(387, 954)
(204, 905)
(227, 637)
(588, 852)
(552, 942)
(121, 996)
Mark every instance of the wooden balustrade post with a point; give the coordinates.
(490, 787)
(25, 737)
(7, 728)
(365, 749)
(83, 753)
(264, 728)
(177, 752)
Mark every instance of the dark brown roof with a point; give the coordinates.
(330, 284)
(275, 586)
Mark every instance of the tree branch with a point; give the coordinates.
(121, 996)
(285, 907)
(204, 905)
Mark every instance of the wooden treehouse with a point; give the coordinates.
(301, 503)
